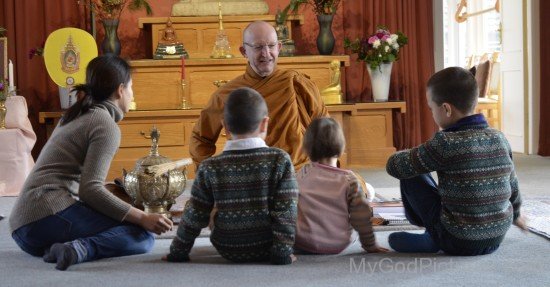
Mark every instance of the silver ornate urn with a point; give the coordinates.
(155, 192)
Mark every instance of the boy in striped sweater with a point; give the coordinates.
(477, 198)
(253, 187)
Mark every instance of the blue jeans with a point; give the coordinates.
(92, 234)
(422, 205)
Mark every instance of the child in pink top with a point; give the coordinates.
(331, 201)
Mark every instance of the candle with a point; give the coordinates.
(10, 76)
(182, 68)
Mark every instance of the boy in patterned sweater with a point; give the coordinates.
(477, 198)
(253, 187)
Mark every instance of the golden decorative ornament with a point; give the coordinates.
(156, 191)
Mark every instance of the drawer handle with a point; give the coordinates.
(144, 135)
(219, 83)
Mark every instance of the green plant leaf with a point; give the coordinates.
(141, 4)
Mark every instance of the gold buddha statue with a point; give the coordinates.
(169, 47)
(332, 94)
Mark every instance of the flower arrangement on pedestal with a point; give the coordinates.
(378, 51)
(112, 9)
(108, 12)
(380, 47)
(320, 7)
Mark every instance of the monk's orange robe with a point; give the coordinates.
(293, 101)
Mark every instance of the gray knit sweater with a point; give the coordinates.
(256, 193)
(476, 180)
(72, 166)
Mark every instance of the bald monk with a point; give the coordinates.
(293, 100)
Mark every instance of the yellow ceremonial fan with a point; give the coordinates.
(67, 52)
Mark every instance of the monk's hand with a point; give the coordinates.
(156, 223)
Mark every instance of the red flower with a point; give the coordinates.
(38, 51)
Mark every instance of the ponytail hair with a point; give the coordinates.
(104, 75)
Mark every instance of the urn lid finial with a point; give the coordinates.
(155, 136)
(154, 157)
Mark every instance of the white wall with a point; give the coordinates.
(514, 75)
(438, 35)
(533, 26)
(521, 80)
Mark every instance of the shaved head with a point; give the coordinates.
(258, 28)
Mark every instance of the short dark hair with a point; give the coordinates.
(244, 110)
(456, 86)
(324, 138)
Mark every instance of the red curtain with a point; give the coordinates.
(544, 130)
(410, 74)
(29, 22)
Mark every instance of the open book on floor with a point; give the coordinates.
(389, 213)
(393, 218)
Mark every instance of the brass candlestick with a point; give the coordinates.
(184, 104)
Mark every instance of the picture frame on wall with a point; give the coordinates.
(3, 58)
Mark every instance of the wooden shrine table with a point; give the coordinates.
(368, 128)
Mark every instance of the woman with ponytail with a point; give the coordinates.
(64, 213)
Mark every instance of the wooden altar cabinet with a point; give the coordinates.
(157, 83)
(368, 128)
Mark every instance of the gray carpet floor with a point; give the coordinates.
(522, 259)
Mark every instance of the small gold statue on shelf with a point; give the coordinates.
(169, 47)
(332, 94)
(222, 49)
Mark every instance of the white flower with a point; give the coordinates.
(395, 46)
(394, 37)
(387, 49)
(376, 44)
(171, 50)
(390, 41)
